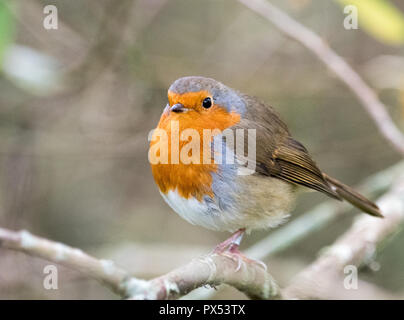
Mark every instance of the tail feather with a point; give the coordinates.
(353, 197)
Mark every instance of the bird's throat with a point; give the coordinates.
(183, 143)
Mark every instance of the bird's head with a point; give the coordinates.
(203, 101)
(202, 105)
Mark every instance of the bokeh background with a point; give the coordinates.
(77, 104)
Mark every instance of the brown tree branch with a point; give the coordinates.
(366, 96)
(213, 269)
(103, 271)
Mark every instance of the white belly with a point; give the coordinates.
(198, 212)
(262, 205)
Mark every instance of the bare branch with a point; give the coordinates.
(356, 247)
(104, 271)
(212, 270)
(367, 97)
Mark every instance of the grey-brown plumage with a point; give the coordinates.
(281, 156)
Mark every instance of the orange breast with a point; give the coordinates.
(190, 179)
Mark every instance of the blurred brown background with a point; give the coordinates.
(77, 104)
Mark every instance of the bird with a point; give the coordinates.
(224, 195)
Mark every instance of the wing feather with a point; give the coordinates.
(278, 154)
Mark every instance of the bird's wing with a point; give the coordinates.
(291, 162)
(278, 154)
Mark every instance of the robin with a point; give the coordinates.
(215, 194)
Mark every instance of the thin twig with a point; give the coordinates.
(368, 98)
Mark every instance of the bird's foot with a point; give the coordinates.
(230, 249)
(234, 239)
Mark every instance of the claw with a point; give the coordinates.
(238, 264)
(240, 256)
(235, 257)
(261, 264)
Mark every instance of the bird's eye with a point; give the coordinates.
(207, 103)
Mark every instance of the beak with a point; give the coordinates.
(178, 108)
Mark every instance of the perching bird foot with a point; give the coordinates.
(234, 239)
(230, 248)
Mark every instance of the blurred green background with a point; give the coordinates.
(77, 104)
